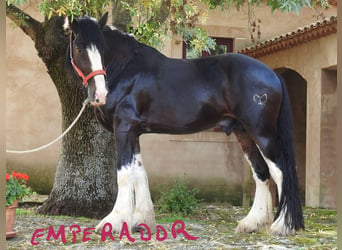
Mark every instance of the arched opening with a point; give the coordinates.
(297, 89)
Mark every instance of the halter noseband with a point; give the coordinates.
(79, 72)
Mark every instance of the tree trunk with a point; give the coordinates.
(85, 180)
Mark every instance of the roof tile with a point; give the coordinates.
(301, 35)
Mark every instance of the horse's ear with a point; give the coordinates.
(103, 20)
(70, 26)
(75, 26)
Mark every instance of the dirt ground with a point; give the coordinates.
(214, 224)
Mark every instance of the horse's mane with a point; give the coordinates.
(122, 49)
(126, 42)
(91, 31)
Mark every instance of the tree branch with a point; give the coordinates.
(25, 22)
(163, 12)
(120, 17)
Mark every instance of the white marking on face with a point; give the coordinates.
(100, 81)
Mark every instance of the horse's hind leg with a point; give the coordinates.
(143, 210)
(260, 216)
(281, 166)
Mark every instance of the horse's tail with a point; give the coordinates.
(289, 201)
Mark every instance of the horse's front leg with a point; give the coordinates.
(124, 204)
(143, 209)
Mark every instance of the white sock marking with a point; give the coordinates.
(260, 215)
(278, 227)
(144, 211)
(123, 208)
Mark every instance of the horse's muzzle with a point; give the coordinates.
(100, 98)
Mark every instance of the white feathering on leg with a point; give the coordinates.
(260, 216)
(123, 208)
(144, 211)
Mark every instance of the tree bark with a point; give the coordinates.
(85, 180)
(120, 17)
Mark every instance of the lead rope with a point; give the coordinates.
(55, 140)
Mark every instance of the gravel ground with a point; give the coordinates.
(213, 224)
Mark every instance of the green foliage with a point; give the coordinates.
(22, 211)
(16, 188)
(178, 199)
(283, 5)
(73, 8)
(153, 21)
(16, 2)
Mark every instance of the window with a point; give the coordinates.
(223, 45)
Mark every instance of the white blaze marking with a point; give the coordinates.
(100, 81)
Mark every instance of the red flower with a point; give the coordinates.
(16, 187)
(19, 176)
(24, 176)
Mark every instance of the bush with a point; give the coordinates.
(178, 199)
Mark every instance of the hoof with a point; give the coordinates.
(248, 225)
(115, 222)
(252, 224)
(149, 221)
(281, 230)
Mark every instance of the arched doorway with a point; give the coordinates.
(297, 89)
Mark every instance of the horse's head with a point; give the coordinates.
(86, 55)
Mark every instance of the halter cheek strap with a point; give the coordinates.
(80, 73)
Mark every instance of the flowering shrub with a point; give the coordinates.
(16, 187)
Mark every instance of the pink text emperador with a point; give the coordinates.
(106, 232)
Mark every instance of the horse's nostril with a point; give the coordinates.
(97, 100)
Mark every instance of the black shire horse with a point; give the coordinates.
(136, 90)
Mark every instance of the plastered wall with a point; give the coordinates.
(211, 160)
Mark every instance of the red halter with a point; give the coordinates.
(79, 72)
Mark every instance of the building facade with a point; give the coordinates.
(210, 161)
